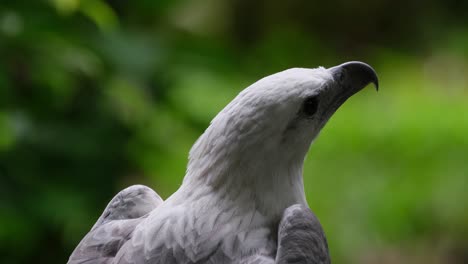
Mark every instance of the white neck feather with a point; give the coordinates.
(240, 168)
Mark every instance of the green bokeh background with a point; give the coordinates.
(97, 95)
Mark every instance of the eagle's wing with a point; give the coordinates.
(301, 238)
(258, 259)
(115, 226)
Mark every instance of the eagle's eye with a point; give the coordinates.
(310, 106)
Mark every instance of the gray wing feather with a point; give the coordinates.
(301, 239)
(101, 244)
(258, 259)
(116, 225)
(132, 202)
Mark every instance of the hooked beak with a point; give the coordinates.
(353, 76)
(349, 78)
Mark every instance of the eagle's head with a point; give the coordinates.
(262, 136)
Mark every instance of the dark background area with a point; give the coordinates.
(97, 95)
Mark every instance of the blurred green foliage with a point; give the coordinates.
(97, 95)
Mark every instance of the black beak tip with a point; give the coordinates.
(361, 73)
(376, 84)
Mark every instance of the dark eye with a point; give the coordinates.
(310, 106)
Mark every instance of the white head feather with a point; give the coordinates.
(254, 148)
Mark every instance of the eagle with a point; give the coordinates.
(242, 200)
